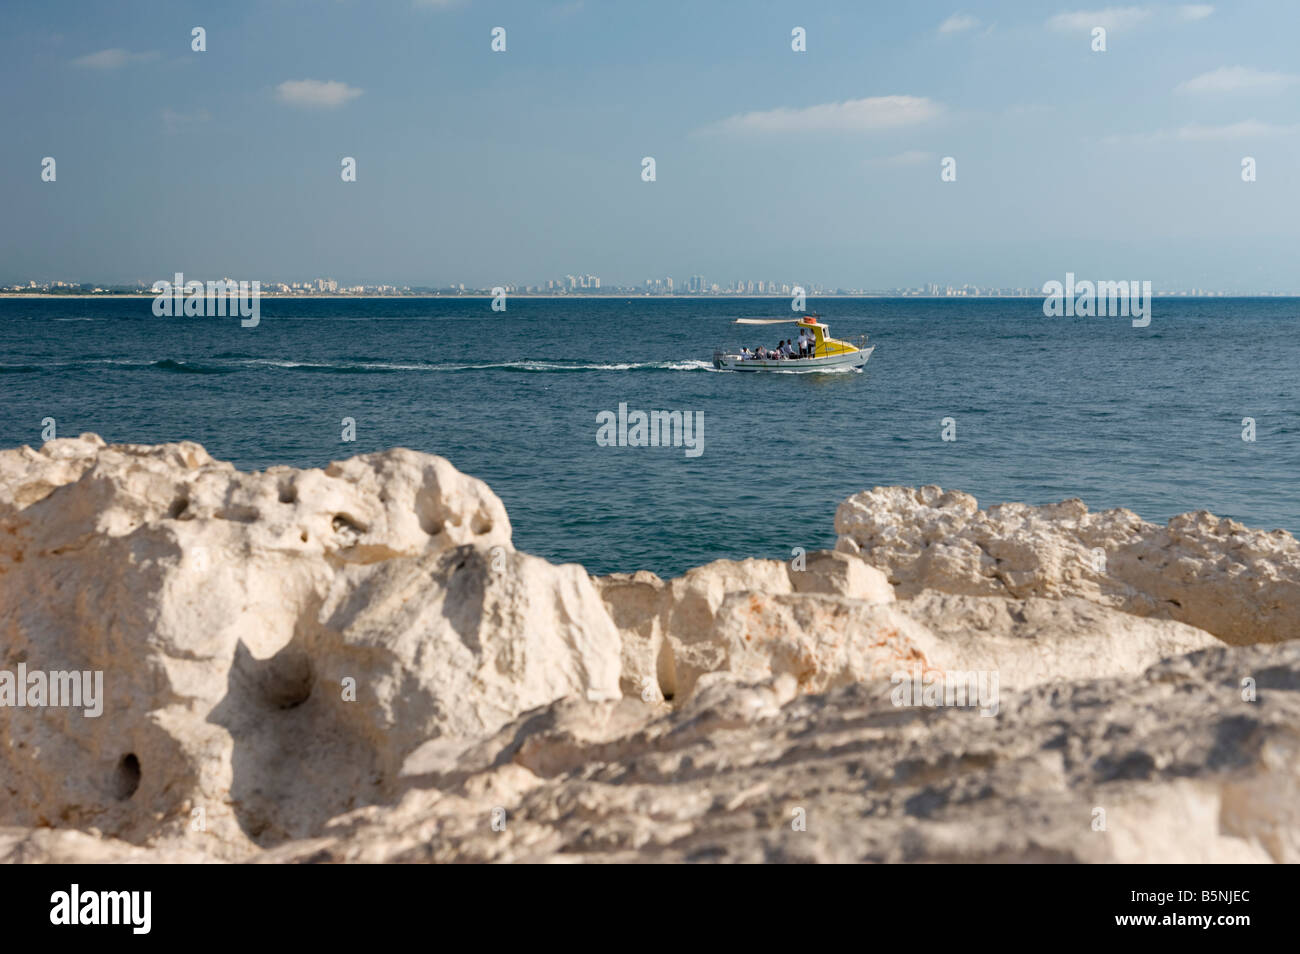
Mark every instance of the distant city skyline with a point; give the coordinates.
(591, 286)
(390, 143)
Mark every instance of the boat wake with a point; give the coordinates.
(220, 365)
(226, 365)
(525, 367)
(798, 371)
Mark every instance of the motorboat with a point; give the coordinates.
(829, 354)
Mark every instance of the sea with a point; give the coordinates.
(1035, 409)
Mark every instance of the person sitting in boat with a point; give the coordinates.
(788, 350)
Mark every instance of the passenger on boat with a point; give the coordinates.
(806, 343)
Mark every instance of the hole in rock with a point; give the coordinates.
(288, 493)
(239, 513)
(666, 671)
(126, 778)
(286, 679)
(343, 523)
(177, 508)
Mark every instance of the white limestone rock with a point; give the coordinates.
(1213, 573)
(666, 624)
(355, 664)
(226, 609)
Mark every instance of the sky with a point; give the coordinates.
(489, 167)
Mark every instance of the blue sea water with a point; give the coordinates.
(1045, 408)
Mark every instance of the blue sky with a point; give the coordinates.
(488, 167)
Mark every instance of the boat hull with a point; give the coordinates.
(851, 361)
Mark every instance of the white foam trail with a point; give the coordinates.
(541, 366)
(537, 366)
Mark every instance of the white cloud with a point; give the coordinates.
(853, 115)
(1248, 128)
(1196, 132)
(112, 59)
(1123, 18)
(1112, 18)
(1234, 79)
(958, 22)
(317, 94)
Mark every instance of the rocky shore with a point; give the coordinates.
(355, 664)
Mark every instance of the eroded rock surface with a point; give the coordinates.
(273, 645)
(1171, 766)
(1213, 573)
(355, 664)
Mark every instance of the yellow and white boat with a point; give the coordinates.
(830, 354)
